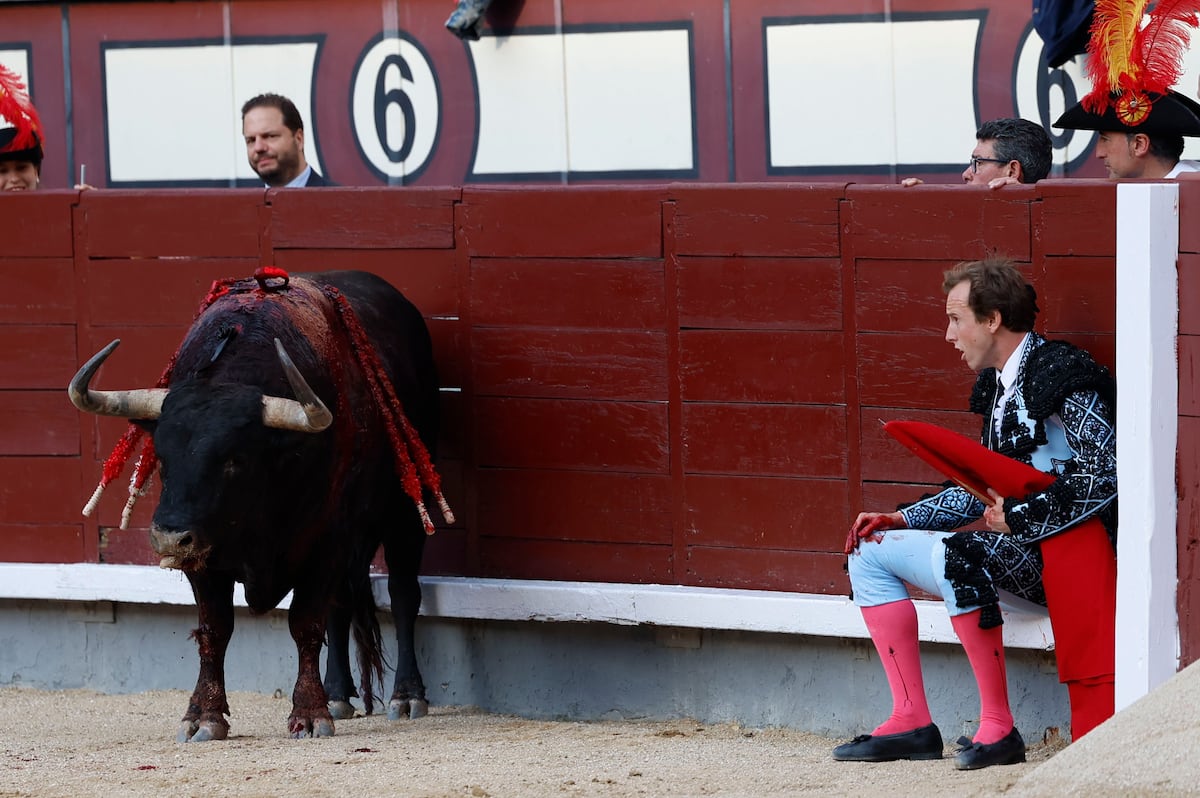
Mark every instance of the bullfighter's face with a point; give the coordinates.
(276, 154)
(973, 337)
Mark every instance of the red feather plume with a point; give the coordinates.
(1163, 42)
(16, 107)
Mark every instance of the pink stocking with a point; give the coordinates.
(985, 650)
(893, 629)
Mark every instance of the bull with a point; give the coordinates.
(292, 494)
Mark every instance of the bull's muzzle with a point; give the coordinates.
(180, 550)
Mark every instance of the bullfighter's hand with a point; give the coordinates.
(909, 182)
(993, 516)
(867, 525)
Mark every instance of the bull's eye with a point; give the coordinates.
(235, 465)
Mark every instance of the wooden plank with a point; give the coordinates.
(36, 356)
(39, 490)
(598, 294)
(119, 290)
(576, 561)
(171, 223)
(37, 225)
(1079, 294)
(575, 222)
(938, 222)
(916, 371)
(449, 351)
(37, 291)
(600, 507)
(760, 293)
(43, 543)
(445, 554)
(762, 366)
(570, 434)
(127, 546)
(1075, 217)
(1102, 346)
(768, 569)
(455, 422)
(1189, 293)
(570, 364)
(112, 504)
(779, 440)
(363, 218)
(900, 296)
(425, 276)
(884, 459)
(764, 513)
(140, 359)
(785, 219)
(1189, 207)
(1188, 521)
(38, 423)
(1189, 375)
(886, 497)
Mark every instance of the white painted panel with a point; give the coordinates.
(871, 93)
(522, 105)
(17, 61)
(145, 139)
(584, 102)
(629, 101)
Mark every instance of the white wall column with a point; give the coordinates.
(1147, 430)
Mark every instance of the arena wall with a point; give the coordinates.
(671, 385)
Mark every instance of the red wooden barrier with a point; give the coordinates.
(673, 384)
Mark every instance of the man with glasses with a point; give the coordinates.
(1006, 151)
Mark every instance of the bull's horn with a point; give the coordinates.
(144, 403)
(305, 413)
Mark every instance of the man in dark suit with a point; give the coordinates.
(274, 135)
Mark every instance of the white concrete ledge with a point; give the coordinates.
(529, 600)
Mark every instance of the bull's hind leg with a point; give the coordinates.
(306, 620)
(205, 716)
(404, 561)
(339, 680)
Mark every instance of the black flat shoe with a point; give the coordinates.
(1008, 750)
(922, 743)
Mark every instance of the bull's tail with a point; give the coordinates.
(367, 638)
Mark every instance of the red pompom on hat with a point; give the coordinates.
(20, 127)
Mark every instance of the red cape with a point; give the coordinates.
(968, 464)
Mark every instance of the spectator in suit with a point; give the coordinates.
(274, 135)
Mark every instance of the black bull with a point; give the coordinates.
(286, 495)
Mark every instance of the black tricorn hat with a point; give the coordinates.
(1170, 114)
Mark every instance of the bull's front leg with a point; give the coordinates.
(310, 711)
(205, 717)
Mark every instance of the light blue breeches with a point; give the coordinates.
(878, 571)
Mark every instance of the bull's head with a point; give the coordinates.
(174, 535)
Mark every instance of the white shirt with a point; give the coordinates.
(1182, 166)
(299, 181)
(1008, 378)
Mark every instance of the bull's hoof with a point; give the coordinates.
(412, 708)
(205, 731)
(299, 728)
(341, 710)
